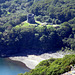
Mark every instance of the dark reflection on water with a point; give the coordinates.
(8, 67)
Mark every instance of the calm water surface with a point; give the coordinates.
(8, 67)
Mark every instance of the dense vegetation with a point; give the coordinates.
(18, 36)
(36, 39)
(58, 10)
(53, 66)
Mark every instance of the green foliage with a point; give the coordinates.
(41, 29)
(46, 35)
(27, 36)
(50, 28)
(64, 30)
(20, 74)
(18, 36)
(53, 66)
(57, 9)
(47, 10)
(46, 62)
(72, 21)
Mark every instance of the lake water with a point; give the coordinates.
(9, 67)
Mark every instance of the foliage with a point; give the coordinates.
(53, 66)
(16, 35)
(62, 10)
(55, 28)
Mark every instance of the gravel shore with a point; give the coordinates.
(32, 60)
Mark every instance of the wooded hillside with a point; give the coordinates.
(16, 35)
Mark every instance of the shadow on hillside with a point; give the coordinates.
(28, 52)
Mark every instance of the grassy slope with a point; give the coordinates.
(53, 66)
(26, 24)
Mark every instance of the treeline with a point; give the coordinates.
(2, 1)
(36, 40)
(62, 10)
(50, 11)
(40, 38)
(12, 12)
(29, 40)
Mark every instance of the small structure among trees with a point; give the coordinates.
(30, 18)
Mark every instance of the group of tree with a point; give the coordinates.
(62, 10)
(53, 66)
(51, 11)
(13, 12)
(16, 38)
(31, 39)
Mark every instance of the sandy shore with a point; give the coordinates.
(32, 60)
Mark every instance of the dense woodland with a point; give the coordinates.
(16, 37)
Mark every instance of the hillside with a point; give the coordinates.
(18, 36)
(54, 66)
(51, 11)
(53, 30)
(59, 10)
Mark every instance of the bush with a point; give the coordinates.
(54, 66)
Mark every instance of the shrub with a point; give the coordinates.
(54, 66)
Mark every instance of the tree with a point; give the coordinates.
(0, 12)
(65, 30)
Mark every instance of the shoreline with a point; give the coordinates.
(17, 62)
(31, 61)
